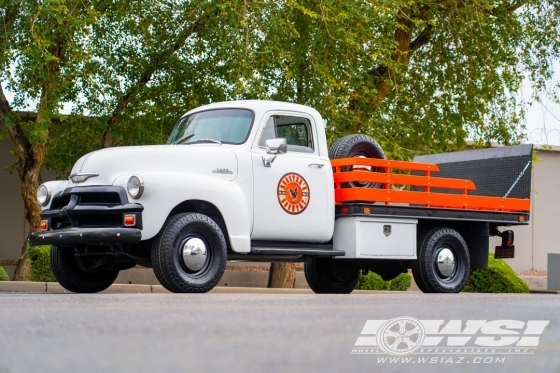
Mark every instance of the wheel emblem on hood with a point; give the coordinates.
(293, 193)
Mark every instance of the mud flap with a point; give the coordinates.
(504, 252)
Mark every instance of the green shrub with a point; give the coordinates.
(498, 278)
(372, 281)
(401, 282)
(40, 257)
(3, 275)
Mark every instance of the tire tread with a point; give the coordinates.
(70, 277)
(163, 247)
(422, 267)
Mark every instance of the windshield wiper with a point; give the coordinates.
(204, 140)
(184, 138)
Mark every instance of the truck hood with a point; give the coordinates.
(205, 159)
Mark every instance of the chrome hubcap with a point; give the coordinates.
(445, 262)
(194, 254)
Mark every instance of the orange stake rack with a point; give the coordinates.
(351, 170)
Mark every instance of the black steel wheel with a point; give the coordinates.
(76, 275)
(443, 262)
(331, 276)
(359, 146)
(190, 254)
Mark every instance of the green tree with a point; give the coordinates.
(41, 50)
(150, 63)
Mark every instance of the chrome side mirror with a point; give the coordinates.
(274, 146)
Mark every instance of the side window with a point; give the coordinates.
(296, 130)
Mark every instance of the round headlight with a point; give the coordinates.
(43, 194)
(135, 186)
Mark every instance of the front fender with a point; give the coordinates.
(163, 191)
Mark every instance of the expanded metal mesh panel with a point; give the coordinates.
(493, 171)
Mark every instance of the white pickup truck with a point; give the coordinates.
(254, 180)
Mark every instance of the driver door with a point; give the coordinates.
(290, 196)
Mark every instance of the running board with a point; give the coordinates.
(296, 251)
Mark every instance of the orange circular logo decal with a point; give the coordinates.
(293, 193)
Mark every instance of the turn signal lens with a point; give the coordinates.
(129, 220)
(44, 225)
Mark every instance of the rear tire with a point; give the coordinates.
(69, 274)
(360, 146)
(190, 254)
(330, 276)
(443, 262)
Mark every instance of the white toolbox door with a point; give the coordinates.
(365, 237)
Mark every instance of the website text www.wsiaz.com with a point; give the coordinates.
(441, 359)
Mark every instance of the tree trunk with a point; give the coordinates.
(23, 268)
(29, 172)
(30, 160)
(282, 275)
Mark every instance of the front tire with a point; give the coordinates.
(443, 262)
(330, 276)
(73, 278)
(190, 254)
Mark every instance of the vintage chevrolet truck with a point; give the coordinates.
(255, 181)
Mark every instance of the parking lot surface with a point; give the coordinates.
(263, 332)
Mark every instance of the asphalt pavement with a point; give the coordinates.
(275, 333)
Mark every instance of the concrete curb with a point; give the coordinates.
(255, 279)
(545, 291)
(54, 287)
(27, 286)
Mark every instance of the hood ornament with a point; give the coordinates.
(81, 177)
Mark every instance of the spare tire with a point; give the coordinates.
(360, 146)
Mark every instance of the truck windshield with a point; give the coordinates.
(230, 126)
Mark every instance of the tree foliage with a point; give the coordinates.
(419, 76)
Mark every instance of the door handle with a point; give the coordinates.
(267, 160)
(320, 165)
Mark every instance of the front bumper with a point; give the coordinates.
(90, 215)
(77, 236)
